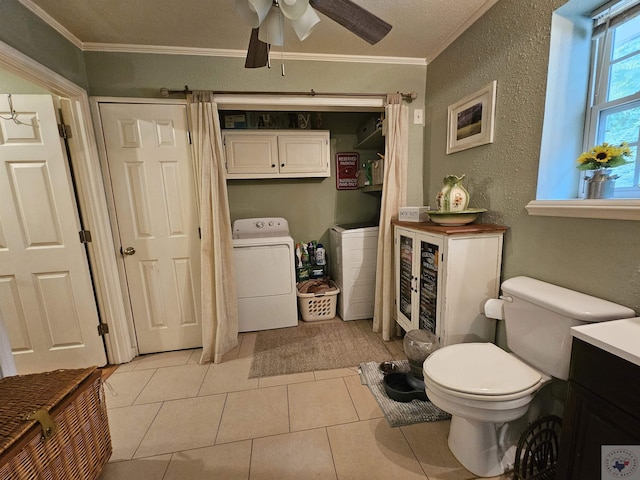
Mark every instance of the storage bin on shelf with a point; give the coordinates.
(317, 305)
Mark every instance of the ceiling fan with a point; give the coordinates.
(266, 18)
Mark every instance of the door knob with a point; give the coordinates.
(129, 251)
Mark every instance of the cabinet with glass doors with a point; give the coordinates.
(444, 275)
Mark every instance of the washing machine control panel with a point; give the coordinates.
(272, 226)
(268, 225)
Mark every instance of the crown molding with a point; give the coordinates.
(219, 52)
(460, 30)
(52, 22)
(210, 52)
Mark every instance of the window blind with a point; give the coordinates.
(614, 13)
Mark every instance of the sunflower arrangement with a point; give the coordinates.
(604, 156)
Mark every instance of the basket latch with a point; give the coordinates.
(46, 423)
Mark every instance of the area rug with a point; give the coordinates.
(399, 414)
(316, 346)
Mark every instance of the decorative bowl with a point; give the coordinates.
(462, 217)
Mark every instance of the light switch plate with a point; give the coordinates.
(418, 116)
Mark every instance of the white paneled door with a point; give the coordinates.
(152, 180)
(46, 295)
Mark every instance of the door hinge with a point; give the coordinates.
(64, 130)
(103, 329)
(189, 137)
(85, 236)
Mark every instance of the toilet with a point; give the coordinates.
(486, 389)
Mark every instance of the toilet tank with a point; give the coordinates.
(538, 317)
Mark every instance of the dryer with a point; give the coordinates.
(263, 253)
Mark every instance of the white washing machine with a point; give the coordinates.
(352, 263)
(263, 253)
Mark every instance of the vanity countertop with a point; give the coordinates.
(619, 337)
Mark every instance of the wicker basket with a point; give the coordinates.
(75, 446)
(318, 306)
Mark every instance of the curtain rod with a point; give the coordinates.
(409, 97)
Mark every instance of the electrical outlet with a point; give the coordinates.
(417, 116)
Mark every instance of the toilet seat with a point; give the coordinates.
(480, 371)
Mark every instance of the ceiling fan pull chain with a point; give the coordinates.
(282, 58)
(282, 46)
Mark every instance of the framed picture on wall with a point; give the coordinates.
(471, 120)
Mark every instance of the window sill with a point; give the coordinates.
(627, 209)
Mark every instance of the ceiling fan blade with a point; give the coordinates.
(354, 18)
(257, 53)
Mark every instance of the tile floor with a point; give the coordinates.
(173, 419)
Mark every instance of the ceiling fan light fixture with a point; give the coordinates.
(293, 9)
(253, 12)
(304, 25)
(271, 30)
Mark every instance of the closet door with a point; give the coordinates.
(153, 190)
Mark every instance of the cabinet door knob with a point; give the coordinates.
(282, 164)
(273, 165)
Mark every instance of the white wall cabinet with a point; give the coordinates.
(277, 153)
(444, 275)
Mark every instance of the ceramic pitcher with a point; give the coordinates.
(453, 197)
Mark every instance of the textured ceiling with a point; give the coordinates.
(421, 28)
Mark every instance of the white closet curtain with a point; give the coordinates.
(394, 196)
(218, 287)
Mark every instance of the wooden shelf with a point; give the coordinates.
(375, 141)
(372, 188)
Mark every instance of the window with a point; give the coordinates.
(614, 93)
(572, 119)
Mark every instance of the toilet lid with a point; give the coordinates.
(479, 368)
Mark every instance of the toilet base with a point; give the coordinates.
(478, 446)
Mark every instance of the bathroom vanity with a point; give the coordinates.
(603, 400)
(458, 263)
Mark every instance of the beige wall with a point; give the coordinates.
(510, 44)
